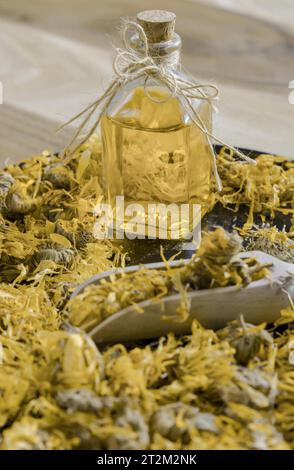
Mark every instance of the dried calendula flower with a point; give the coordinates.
(246, 339)
(176, 421)
(18, 201)
(63, 256)
(59, 176)
(271, 240)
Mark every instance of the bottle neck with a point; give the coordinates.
(170, 60)
(165, 53)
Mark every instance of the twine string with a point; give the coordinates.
(131, 64)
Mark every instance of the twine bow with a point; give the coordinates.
(131, 64)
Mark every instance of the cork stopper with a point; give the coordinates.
(159, 25)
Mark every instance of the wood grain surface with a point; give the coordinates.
(56, 56)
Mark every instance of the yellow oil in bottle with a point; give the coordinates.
(152, 155)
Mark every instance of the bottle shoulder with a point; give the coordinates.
(150, 105)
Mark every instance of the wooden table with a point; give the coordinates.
(56, 56)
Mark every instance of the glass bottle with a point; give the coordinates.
(153, 152)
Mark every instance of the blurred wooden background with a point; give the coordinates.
(56, 56)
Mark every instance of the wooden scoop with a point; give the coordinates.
(261, 301)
